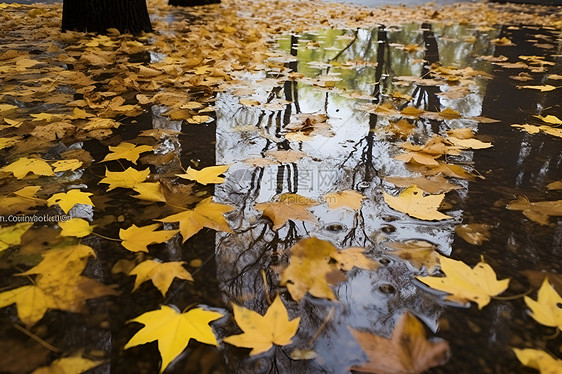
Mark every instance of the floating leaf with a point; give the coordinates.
(289, 207)
(65, 165)
(546, 310)
(553, 120)
(432, 185)
(205, 214)
(126, 151)
(407, 350)
(539, 360)
(463, 283)
(71, 259)
(11, 235)
(160, 273)
(173, 330)
(418, 252)
(262, 332)
(346, 199)
(539, 212)
(68, 365)
(129, 178)
(76, 227)
(206, 175)
(24, 166)
(474, 233)
(66, 200)
(412, 202)
(543, 88)
(136, 239)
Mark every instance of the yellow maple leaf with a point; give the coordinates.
(205, 214)
(412, 202)
(71, 259)
(206, 175)
(289, 207)
(543, 88)
(11, 235)
(125, 179)
(346, 199)
(65, 165)
(68, 365)
(24, 165)
(469, 143)
(540, 360)
(60, 291)
(126, 151)
(261, 332)
(66, 200)
(149, 191)
(539, 211)
(77, 227)
(160, 273)
(463, 283)
(8, 142)
(419, 253)
(20, 200)
(546, 309)
(136, 239)
(174, 330)
(553, 120)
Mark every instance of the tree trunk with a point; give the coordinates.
(192, 2)
(100, 15)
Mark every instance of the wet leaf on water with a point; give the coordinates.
(532, 129)
(208, 175)
(137, 239)
(71, 259)
(288, 156)
(149, 191)
(289, 207)
(173, 330)
(539, 360)
(474, 233)
(550, 119)
(76, 227)
(66, 165)
(539, 211)
(66, 200)
(20, 201)
(555, 185)
(419, 253)
(407, 351)
(464, 284)
(262, 332)
(128, 178)
(160, 273)
(546, 309)
(348, 199)
(24, 166)
(126, 151)
(205, 214)
(433, 185)
(11, 235)
(412, 202)
(543, 88)
(68, 365)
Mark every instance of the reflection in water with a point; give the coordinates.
(333, 73)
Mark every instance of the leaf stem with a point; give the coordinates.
(513, 297)
(105, 237)
(36, 338)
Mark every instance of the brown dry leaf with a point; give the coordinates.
(538, 212)
(474, 233)
(289, 207)
(401, 128)
(433, 185)
(419, 253)
(407, 350)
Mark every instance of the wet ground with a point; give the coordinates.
(340, 75)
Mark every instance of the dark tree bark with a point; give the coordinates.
(192, 2)
(100, 15)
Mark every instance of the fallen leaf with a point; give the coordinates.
(24, 165)
(419, 253)
(289, 207)
(538, 212)
(205, 214)
(407, 350)
(539, 360)
(125, 179)
(77, 227)
(553, 120)
(543, 88)
(66, 200)
(546, 309)
(160, 273)
(206, 175)
(126, 151)
(173, 330)
(137, 239)
(465, 284)
(555, 185)
(432, 185)
(65, 165)
(68, 365)
(56, 261)
(149, 191)
(349, 199)
(262, 332)
(351, 257)
(11, 235)
(474, 233)
(412, 202)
